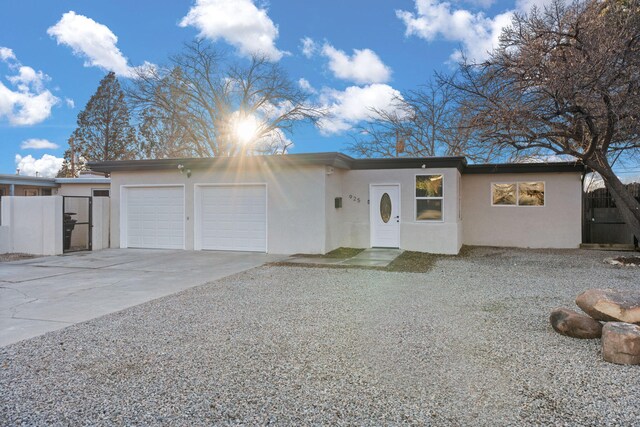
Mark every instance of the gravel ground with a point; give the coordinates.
(468, 343)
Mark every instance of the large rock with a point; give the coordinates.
(611, 305)
(621, 343)
(568, 322)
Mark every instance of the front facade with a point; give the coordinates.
(314, 203)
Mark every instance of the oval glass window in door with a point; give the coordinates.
(385, 208)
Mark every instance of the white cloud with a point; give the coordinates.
(46, 166)
(305, 85)
(355, 104)
(477, 32)
(28, 102)
(6, 54)
(28, 78)
(309, 47)
(93, 41)
(70, 102)
(363, 67)
(239, 22)
(38, 144)
(479, 3)
(526, 5)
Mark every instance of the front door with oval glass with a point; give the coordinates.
(384, 214)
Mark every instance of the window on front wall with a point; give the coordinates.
(429, 197)
(517, 193)
(99, 192)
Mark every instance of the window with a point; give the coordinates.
(517, 194)
(531, 193)
(429, 198)
(31, 192)
(45, 192)
(99, 193)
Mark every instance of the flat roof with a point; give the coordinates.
(27, 180)
(334, 159)
(49, 182)
(92, 180)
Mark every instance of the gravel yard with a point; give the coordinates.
(468, 343)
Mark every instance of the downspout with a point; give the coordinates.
(582, 199)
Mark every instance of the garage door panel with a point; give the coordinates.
(155, 217)
(233, 218)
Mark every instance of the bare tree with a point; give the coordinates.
(422, 123)
(209, 107)
(564, 81)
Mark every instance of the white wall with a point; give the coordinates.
(335, 234)
(34, 223)
(100, 217)
(557, 224)
(295, 201)
(5, 236)
(425, 236)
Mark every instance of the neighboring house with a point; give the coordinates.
(314, 203)
(18, 185)
(84, 185)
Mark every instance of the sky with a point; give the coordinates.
(350, 55)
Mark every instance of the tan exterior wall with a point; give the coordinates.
(557, 224)
(426, 236)
(295, 202)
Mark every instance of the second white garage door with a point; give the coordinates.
(231, 218)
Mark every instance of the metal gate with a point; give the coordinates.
(77, 216)
(602, 222)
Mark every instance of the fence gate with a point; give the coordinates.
(602, 222)
(77, 223)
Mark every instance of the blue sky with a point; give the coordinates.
(350, 54)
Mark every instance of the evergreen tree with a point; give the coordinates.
(103, 132)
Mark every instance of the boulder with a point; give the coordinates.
(611, 305)
(576, 325)
(621, 343)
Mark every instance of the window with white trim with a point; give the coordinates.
(529, 193)
(429, 197)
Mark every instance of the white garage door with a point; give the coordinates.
(154, 217)
(232, 218)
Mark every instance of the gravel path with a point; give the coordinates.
(468, 343)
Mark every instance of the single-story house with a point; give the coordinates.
(314, 203)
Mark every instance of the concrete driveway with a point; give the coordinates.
(44, 294)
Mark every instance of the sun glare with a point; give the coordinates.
(245, 128)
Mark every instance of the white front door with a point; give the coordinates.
(385, 216)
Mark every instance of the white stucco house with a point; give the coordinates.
(314, 203)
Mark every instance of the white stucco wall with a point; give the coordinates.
(34, 224)
(80, 188)
(425, 236)
(100, 218)
(335, 235)
(558, 224)
(295, 202)
(5, 239)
